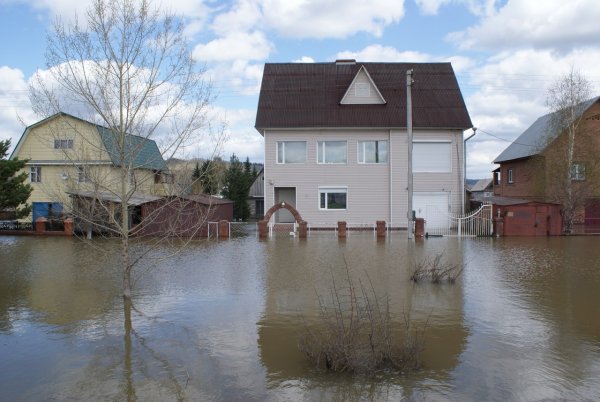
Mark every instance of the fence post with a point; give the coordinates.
(341, 226)
(40, 225)
(263, 229)
(302, 229)
(380, 228)
(68, 227)
(223, 229)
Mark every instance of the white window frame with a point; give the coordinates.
(417, 167)
(35, 174)
(82, 175)
(63, 143)
(361, 146)
(280, 156)
(510, 176)
(331, 189)
(324, 153)
(578, 172)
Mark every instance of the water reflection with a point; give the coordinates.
(222, 319)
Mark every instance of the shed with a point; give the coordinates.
(521, 217)
(187, 215)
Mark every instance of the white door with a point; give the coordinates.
(434, 207)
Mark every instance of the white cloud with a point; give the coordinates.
(521, 24)
(304, 59)
(235, 46)
(330, 18)
(15, 106)
(374, 53)
(431, 7)
(242, 17)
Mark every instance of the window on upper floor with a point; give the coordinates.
(510, 176)
(578, 172)
(63, 144)
(497, 178)
(372, 151)
(332, 198)
(291, 152)
(432, 156)
(332, 152)
(35, 174)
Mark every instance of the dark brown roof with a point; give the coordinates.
(309, 94)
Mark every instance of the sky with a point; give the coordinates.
(506, 54)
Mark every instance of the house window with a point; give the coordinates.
(496, 178)
(578, 172)
(509, 176)
(331, 152)
(291, 152)
(63, 144)
(82, 174)
(362, 89)
(332, 198)
(432, 157)
(372, 151)
(35, 174)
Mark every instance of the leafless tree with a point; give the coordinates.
(128, 69)
(571, 162)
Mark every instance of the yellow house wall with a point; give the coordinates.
(59, 166)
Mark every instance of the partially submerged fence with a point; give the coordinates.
(472, 224)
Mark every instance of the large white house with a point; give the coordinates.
(336, 141)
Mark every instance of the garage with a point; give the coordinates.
(433, 207)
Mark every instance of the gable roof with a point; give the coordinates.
(145, 151)
(303, 95)
(538, 136)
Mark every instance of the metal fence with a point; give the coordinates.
(472, 224)
(15, 225)
(243, 229)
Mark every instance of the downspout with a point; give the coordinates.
(390, 153)
(465, 167)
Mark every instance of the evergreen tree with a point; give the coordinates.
(236, 188)
(207, 178)
(14, 192)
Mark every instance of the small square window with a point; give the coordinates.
(82, 175)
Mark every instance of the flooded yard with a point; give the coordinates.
(221, 320)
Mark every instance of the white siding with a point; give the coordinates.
(355, 96)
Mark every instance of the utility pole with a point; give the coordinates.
(409, 128)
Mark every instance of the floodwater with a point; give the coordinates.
(220, 321)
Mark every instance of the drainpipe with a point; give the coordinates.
(390, 153)
(465, 166)
(409, 129)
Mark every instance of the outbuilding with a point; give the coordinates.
(521, 217)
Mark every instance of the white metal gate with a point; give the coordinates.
(472, 224)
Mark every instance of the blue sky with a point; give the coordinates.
(505, 54)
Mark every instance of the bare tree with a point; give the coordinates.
(570, 162)
(129, 70)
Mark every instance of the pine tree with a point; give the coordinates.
(236, 188)
(14, 192)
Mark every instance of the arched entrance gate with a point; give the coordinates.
(263, 225)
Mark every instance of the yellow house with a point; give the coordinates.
(67, 155)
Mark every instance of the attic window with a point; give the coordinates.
(362, 89)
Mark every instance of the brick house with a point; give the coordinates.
(531, 166)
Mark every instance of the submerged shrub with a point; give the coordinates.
(356, 333)
(436, 270)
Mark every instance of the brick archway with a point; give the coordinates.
(263, 230)
(283, 205)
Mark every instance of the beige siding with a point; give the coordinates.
(368, 185)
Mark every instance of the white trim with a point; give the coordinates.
(346, 94)
(323, 189)
(324, 151)
(290, 163)
(358, 161)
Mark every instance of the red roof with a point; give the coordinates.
(309, 94)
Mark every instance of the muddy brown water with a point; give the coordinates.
(220, 321)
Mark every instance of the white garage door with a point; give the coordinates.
(434, 207)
